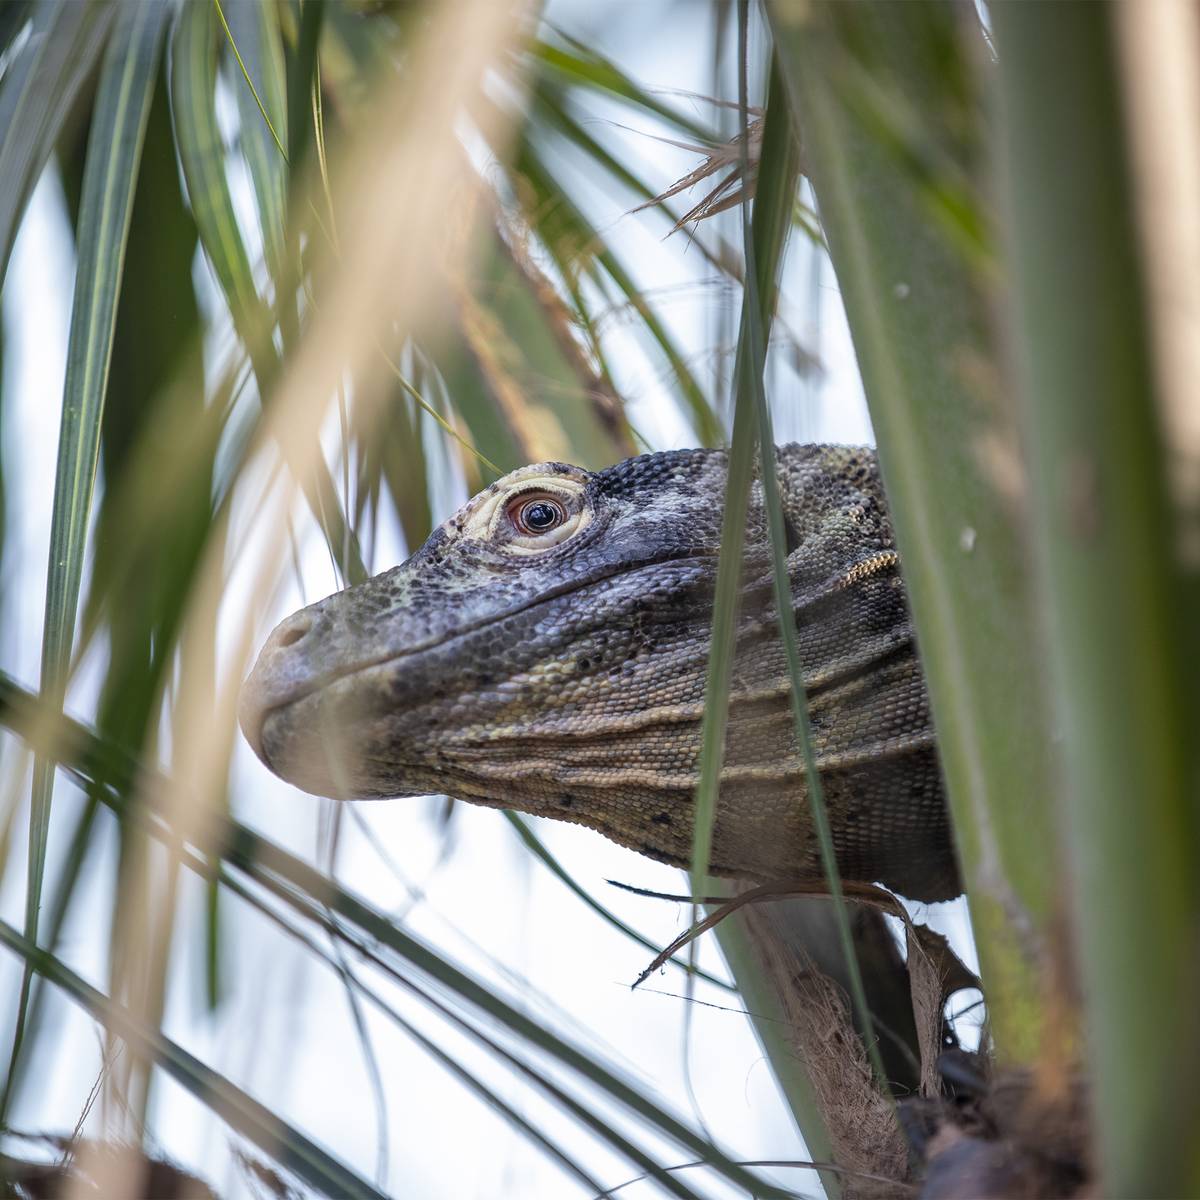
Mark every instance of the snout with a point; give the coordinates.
(311, 712)
(280, 676)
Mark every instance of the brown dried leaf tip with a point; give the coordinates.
(724, 195)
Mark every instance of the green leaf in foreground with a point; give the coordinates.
(36, 93)
(1122, 631)
(570, 238)
(254, 38)
(772, 209)
(580, 66)
(919, 316)
(110, 176)
(202, 155)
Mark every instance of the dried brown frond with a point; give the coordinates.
(724, 195)
(935, 973)
(864, 1135)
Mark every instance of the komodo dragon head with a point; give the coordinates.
(546, 650)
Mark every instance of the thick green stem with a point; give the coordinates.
(1123, 654)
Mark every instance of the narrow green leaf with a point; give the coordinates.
(522, 1125)
(583, 67)
(202, 155)
(778, 175)
(255, 40)
(398, 454)
(3, 487)
(13, 16)
(462, 378)
(757, 309)
(151, 533)
(529, 1069)
(110, 176)
(521, 340)
(245, 1115)
(36, 93)
(764, 237)
(550, 112)
(921, 320)
(773, 1027)
(1122, 633)
(467, 1077)
(291, 879)
(302, 84)
(538, 1078)
(301, 77)
(721, 645)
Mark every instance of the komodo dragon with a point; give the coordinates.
(546, 650)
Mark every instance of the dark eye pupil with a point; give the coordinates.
(540, 516)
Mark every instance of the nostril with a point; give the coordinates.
(293, 632)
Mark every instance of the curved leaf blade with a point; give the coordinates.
(581, 66)
(257, 44)
(202, 155)
(36, 94)
(110, 175)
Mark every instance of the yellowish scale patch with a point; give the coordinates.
(869, 566)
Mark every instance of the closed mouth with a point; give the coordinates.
(256, 732)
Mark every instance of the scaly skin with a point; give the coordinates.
(563, 673)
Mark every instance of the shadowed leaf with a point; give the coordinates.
(36, 92)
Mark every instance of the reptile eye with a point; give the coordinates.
(540, 510)
(537, 515)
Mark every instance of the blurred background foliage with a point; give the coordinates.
(339, 264)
